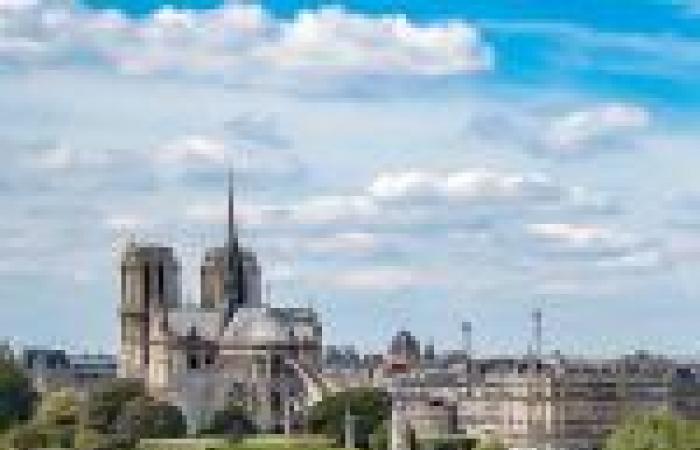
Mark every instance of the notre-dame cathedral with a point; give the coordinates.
(231, 348)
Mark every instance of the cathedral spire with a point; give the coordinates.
(232, 239)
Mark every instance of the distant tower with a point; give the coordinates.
(537, 332)
(467, 338)
(150, 286)
(429, 351)
(230, 275)
(405, 347)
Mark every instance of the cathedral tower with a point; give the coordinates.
(150, 286)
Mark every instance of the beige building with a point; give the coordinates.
(556, 403)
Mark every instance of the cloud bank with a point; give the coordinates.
(236, 42)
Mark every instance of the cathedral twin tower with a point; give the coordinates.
(151, 286)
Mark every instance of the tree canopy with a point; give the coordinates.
(369, 408)
(491, 444)
(120, 413)
(655, 432)
(16, 393)
(54, 424)
(115, 415)
(232, 420)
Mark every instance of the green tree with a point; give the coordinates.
(106, 402)
(23, 436)
(379, 439)
(53, 425)
(145, 418)
(369, 408)
(655, 431)
(16, 394)
(491, 444)
(119, 413)
(232, 420)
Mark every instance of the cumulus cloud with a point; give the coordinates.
(350, 242)
(333, 40)
(192, 151)
(595, 127)
(472, 184)
(607, 246)
(237, 42)
(576, 234)
(379, 278)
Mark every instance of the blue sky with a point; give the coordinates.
(399, 164)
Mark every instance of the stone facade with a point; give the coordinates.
(229, 349)
(555, 403)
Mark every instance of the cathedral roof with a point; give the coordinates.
(256, 326)
(206, 323)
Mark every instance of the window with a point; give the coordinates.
(161, 284)
(276, 366)
(276, 401)
(193, 362)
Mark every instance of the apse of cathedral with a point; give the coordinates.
(230, 349)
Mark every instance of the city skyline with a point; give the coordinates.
(397, 166)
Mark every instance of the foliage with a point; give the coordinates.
(491, 444)
(278, 442)
(369, 407)
(106, 402)
(144, 418)
(53, 425)
(457, 443)
(655, 431)
(379, 439)
(116, 415)
(16, 394)
(232, 420)
(23, 437)
(58, 408)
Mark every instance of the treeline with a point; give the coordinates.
(115, 415)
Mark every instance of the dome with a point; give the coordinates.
(404, 344)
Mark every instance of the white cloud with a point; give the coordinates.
(347, 242)
(17, 4)
(192, 151)
(471, 184)
(579, 130)
(57, 157)
(325, 209)
(64, 156)
(576, 234)
(415, 198)
(379, 278)
(645, 258)
(238, 42)
(125, 221)
(608, 247)
(336, 41)
(246, 213)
